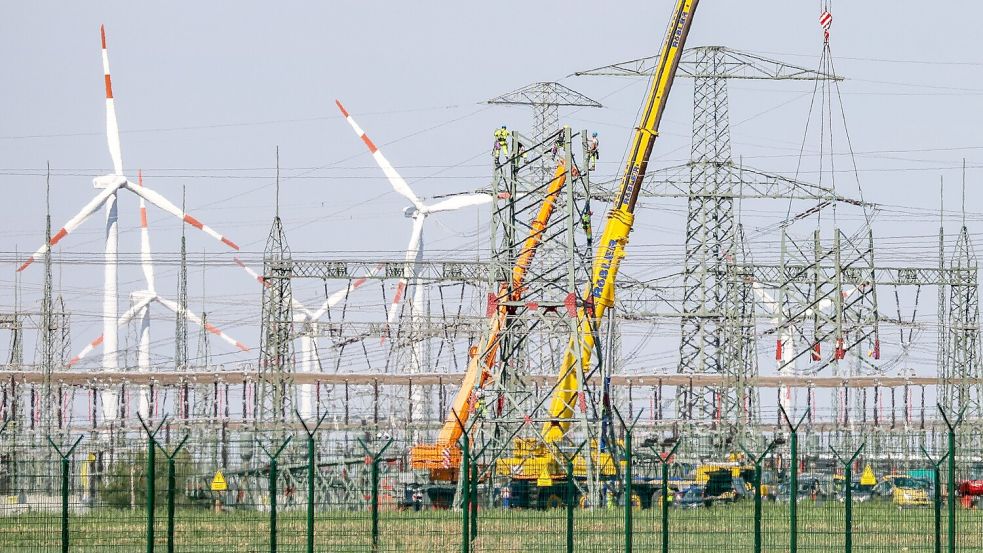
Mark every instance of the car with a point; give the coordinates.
(904, 491)
(859, 493)
(691, 498)
(811, 486)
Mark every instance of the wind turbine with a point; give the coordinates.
(141, 301)
(418, 212)
(109, 186)
(309, 320)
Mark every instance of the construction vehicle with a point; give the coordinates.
(970, 491)
(535, 462)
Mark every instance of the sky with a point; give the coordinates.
(206, 92)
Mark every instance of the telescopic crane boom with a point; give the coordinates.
(611, 248)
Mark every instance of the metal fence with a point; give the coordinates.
(162, 488)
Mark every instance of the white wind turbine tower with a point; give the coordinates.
(309, 320)
(418, 212)
(141, 301)
(109, 186)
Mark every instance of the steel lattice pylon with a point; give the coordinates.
(714, 321)
(276, 345)
(961, 331)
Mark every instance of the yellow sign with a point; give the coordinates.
(868, 478)
(218, 483)
(84, 474)
(544, 480)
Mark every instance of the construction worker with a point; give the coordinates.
(501, 142)
(506, 496)
(479, 404)
(585, 222)
(592, 152)
(558, 147)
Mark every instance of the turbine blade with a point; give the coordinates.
(146, 259)
(73, 223)
(179, 311)
(85, 351)
(256, 276)
(412, 252)
(125, 318)
(112, 128)
(459, 201)
(397, 181)
(165, 204)
(259, 278)
(339, 295)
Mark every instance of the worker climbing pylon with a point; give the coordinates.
(592, 151)
(501, 142)
(479, 404)
(559, 145)
(585, 222)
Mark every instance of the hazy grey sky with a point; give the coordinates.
(206, 90)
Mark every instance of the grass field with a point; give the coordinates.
(723, 528)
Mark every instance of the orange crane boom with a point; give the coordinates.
(444, 454)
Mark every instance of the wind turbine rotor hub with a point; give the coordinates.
(109, 181)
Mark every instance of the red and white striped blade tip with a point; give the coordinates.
(341, 107)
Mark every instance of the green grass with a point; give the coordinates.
(723, 528)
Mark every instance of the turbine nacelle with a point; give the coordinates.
(142, 296)
(410, 211)
(109, 181)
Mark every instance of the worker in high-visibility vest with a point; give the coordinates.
(501, 141)
(592, 151)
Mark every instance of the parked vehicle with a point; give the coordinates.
(904, 491)
(692, 498)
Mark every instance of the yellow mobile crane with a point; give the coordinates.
(611, 248)
(443, 458)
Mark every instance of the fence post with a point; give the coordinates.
(310, 476)
(628, 488)
(848, 495)
(274, 458)
(465, 471)
(473, 496)
(374, 475)
(151, 477)
(664, 461)
(628, 492)
(171, 485)
(793, 534)
(937, 499)
(757, 491)
(951, 484)
(571, 493)
(65, 465)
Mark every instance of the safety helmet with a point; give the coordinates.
(594, 134)
(503, 126)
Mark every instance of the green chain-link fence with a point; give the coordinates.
(160, 488)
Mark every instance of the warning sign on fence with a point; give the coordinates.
(544, 480)
(218, 483)
(868, 478)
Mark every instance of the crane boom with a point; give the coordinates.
(611, 249)
(480, 365)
